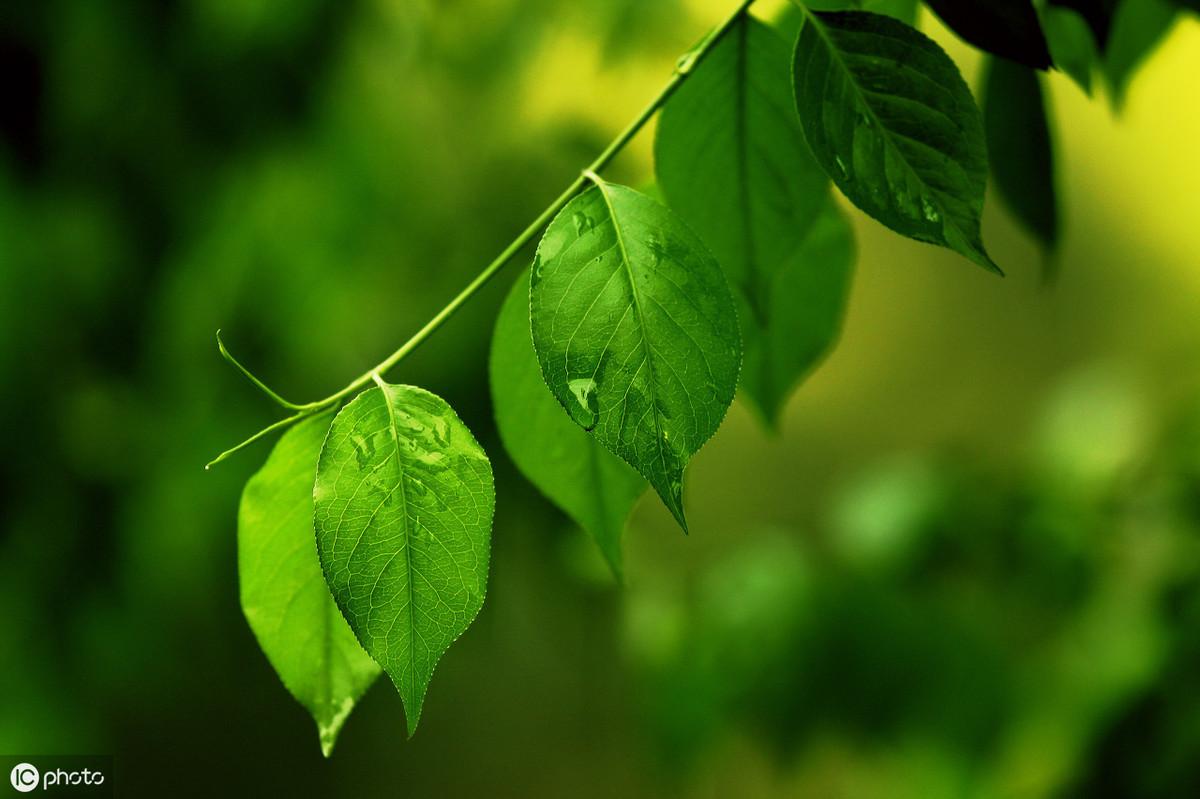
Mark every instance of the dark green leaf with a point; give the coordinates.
(1071, 44)
(1007, 28)
(903, 10)
(636, 331)
(1020, 147)
(593, 486)
(806, 306)
(283, 592)
(732, 161)
(889, 118)
(1097, 13)
(1138, 28)
(789, 19)
(403, 513)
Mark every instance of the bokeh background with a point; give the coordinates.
(969, 565)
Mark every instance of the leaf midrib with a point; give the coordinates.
(647, 350)
(741, 137)
(412, 666)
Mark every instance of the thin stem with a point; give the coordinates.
(266, 431)
(683, 68)
(227, 355)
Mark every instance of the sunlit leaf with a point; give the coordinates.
(283, 592)
(636, 331)
(890, 119)
(403, 513)
(1007, 28)
(1020, 147)
(593, 486)
(732, 161)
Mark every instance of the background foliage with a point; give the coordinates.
(967, 564)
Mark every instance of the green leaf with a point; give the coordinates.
(806, 307)
(1071, 44)
(1098, 14)
(1138, 27)
(283, 592)
(592, 486)
(889, 118)
(1020, 147)
(731, 160)
(903, 10)
(403, 513)
(789, 18)
(636, 331)
(1006, 28)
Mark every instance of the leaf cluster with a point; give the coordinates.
(364, 541)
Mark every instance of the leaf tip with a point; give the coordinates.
(328, 741)
(412, 722)
(672, 496)
(771, 419)
(615, 566)
(981, 257)
(677, 512)
(413, 702)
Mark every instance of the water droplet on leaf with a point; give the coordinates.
(657, 248)
(364, 450)
(931, 213)
(583, 222)
(585, 410)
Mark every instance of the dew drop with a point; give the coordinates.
(931, 213)
(657, 249)
(584, 410)
(364, 449)
(841, 165)
(583, 222)
(434, 459)
(677, 489)
(442, 433)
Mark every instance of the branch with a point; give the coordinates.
(683, 68)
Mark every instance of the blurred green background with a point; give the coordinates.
(969, 565)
